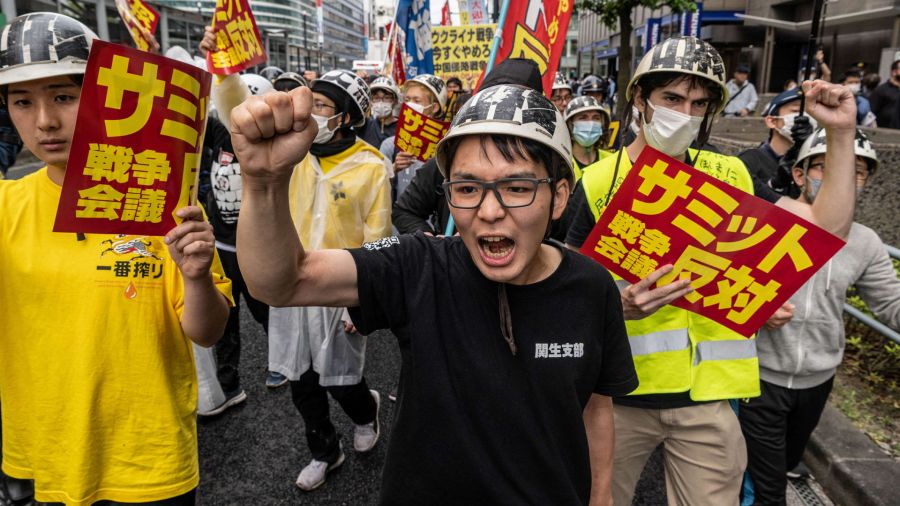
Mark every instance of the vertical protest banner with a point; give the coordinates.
(691, 21)
(536, 29)
(140, 19)
(418, 134)
(445, 14)
(414, 30)
(395, 54)
(238, 43)
(478, 12)
(651, 34)
(137, 143)
(744, 256)
(464, 18)
(461, 51)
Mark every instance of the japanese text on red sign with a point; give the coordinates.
(418, 134)
(744, 257)
(238, 42)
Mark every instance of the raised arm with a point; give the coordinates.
(270, 135)
(834, 107)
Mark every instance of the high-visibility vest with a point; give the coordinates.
(675, 350)
(578, 169)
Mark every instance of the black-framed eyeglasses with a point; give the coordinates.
(511, 192)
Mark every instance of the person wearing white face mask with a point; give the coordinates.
(339, 198)
(681, 400)
(786, 130)
(588, 122)
(864, 115)
(385, 96)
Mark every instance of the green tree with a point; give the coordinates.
(618, 12)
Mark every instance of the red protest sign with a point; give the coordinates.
(140, 19)
(745, 257)
(136, 148)
(536, 29)
(418, 134)
(238, 43)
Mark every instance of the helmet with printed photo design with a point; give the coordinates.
(686, 55)
(560, 82)
(350, 84)
(584, 104)
(385, 83)
(43, 44)
(435, 85)
(508, 109)
(257, 84)
(593, 84)
(817, 144)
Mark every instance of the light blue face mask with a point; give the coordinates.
(586, 133)
(815, 184)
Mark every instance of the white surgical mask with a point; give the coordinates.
(382, 109)
(854, 88)
(419, 108)
(669, 131)
(788, 119)
(325, 134)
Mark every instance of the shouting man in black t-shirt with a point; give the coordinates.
(515, 345)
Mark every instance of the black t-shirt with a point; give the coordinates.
(223, 180)
(475, 424)
(582, 224)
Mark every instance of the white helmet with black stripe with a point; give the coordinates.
(508, 109)
(43, 44)
(560, 82)
(435, 85)
(344, 81)
(387, 84)
(685, 55)
(816, 144)
(583, 104)
(257, 84)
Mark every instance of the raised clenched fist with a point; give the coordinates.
(272, 133)
(833, 106)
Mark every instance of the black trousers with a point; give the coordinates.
(777, 426)
(311, 400)
(228, 349)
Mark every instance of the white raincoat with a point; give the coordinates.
(343, 206)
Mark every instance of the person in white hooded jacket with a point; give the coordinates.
(797, 361)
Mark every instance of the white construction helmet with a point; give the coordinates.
(257, 84)
(508, 109)
(686, 55)
(344, 81)
(560, 82)
(583, 104)
(435, 85)
(385, 83)
(43, 44)
(816, 144)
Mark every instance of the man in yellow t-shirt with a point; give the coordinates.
(97, 377)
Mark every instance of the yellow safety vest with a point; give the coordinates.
(675, 350)
(579, 170)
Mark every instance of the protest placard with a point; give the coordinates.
(137, 143)
(744, 256)
(418, 134)
(461, 51)
(238, 43)
(140, 19)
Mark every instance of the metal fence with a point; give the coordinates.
(872, 323)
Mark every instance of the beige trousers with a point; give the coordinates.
(704, 451)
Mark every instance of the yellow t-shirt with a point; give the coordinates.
(97, 378)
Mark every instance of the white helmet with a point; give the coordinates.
(560, 82)
(435, 85)
(344, 81)
(43, 44)
(687, 55)
(385, 83)
(257, 84)
(508, 109)
(816, 144)
(585, 103)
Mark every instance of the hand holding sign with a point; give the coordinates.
(641, 299)
(272, 133)
(192, 244)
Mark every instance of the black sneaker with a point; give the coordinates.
(799, 472)
(232, 398)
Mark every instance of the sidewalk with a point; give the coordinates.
(850, 467)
